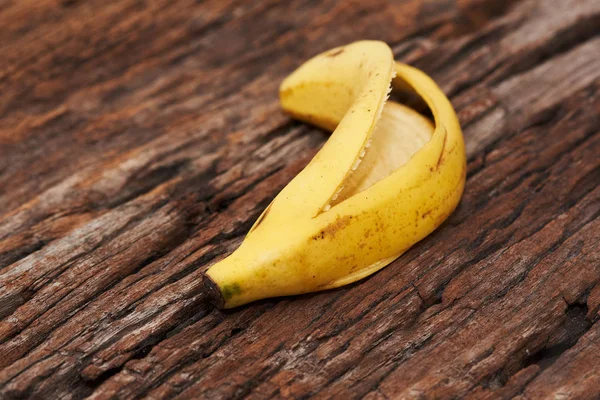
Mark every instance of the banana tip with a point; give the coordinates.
(213, 293)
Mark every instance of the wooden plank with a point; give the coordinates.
(140, 140)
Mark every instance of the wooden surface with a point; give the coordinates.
(139, 140)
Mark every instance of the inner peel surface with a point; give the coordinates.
(399, 133)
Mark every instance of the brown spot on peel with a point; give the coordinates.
(426, 214)
(335, 52)
(439, 161)
(331, 229)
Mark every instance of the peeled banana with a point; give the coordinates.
(386, 178)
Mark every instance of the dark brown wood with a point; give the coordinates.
(139, 140)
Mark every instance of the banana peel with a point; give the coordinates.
(386, 178)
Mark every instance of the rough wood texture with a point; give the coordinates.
(140, 139)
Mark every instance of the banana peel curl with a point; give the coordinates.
(387, 177)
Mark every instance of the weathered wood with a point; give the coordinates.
(139, 140)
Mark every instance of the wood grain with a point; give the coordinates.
(139, 141)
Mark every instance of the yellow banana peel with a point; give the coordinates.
(386, 178)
